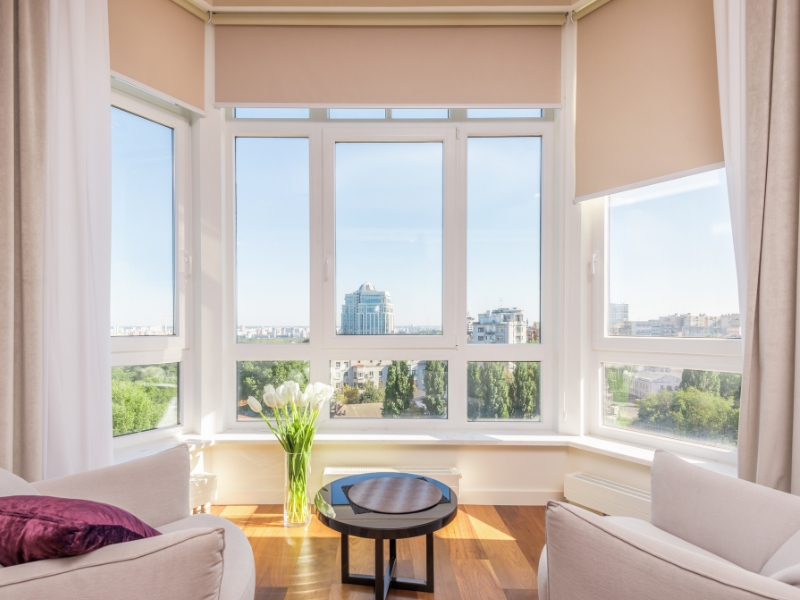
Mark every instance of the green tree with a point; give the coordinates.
(705, 381)
(399, 389)
(494, 388)
(730, 386)
(692, 413)
(436, 387)
(524, 392)
(371, 393)
(474, 380)
(618, 384)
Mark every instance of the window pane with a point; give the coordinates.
(357, 113)
(389, 238)
(271, 113)
(272, 240)
(504, 113)
(696, 406)
(253, 376)
(399, 389)
(420, 113)
(671, 262)
(503, 391)
(144, 397)
(142, 227)
(503, 240)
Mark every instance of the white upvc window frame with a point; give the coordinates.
(147, 350)
(324, 345)
(686, 353)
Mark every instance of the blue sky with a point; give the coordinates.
(671, 248)
(142, 222)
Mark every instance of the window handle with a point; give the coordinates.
(187, 265)
(595, 258)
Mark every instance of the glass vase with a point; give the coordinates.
(296, 507)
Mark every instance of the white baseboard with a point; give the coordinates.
(497, 497)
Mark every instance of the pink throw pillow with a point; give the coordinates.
(40, 527)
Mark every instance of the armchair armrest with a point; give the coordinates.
(154, 488)
(591, 558)
(184, 565)
(739, 521)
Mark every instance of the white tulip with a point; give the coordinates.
(305, 397)
(254, 404)
(322, 394)
(270, 396)
(292, 391)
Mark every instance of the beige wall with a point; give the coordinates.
(524, 475)
(159, 44)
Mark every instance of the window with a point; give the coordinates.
(144, 397)
(503, 391)
(394, 389)
(272, 113)
(666, 288)
(503, 238)
(687, 404)
(143, 227)
(385, 232)
(389, 238)
(671, 266)
(150, 270)
(272, 240)
(504, 113)
(253, 376)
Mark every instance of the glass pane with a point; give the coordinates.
(142, 227)
(503, 391)
(696, 406)
(503, 240)
(393, 389)
(144, 397)
(357, 113)
(253, 376)
(420, 113)
(671, 262)
(271, 113)
(389, 238)
(272, 240)
(504, 113)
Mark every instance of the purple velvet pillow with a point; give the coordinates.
(39, 527)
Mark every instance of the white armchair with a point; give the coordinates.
(711, 537)
(198, 557)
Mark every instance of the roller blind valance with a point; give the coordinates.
(388, 66)
(647, 105)
(159, 44)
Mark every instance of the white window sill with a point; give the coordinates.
(634, 453)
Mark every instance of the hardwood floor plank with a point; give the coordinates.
(526, 524)
(462, 541)
(477, 580)
(510, 565)
(487, 553)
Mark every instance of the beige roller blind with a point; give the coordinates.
(647, 96)
(451, 66)
(159, 44)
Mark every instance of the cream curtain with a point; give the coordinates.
(23, 72)
(77, 264)
(769, 426)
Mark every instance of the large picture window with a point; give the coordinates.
(395, 233)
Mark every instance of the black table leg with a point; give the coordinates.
(383, 583)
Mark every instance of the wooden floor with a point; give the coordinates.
(487, 553)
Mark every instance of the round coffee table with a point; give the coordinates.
(352, 520)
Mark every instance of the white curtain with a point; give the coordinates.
(729, 24)
(77, 263)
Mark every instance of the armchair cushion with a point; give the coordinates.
(785, 563)
(11, 485)
(40, 527)
(185, 565)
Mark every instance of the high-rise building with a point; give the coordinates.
(617, 313)
(500, 326)
(367, 311)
